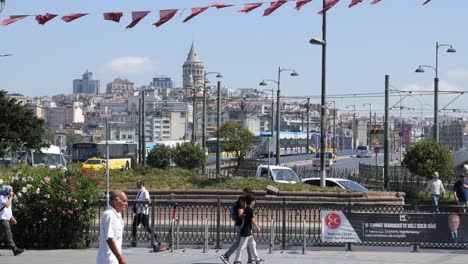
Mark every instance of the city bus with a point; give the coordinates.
(117, 150)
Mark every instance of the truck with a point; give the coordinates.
(50, 156)
(278, 174)
(330, 159)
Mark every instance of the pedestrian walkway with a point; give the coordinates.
(195, 256)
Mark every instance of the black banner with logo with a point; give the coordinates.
(340, 226)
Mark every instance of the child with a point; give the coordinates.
(247, 240)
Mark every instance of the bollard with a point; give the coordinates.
(205, 247)
(178, 233)
(415, 248)
(304, 237)
(272, 236)
(348, 247)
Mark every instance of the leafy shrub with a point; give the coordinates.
(160, 157)
(53, 207)
(189, 156)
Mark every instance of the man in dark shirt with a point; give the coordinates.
(239, 207)
(460, 192)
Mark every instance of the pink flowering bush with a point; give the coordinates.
(54, 208)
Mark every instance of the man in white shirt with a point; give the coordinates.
(111, 230)
(465, 168)
(6, 217)
(140, 210)
(436, 188)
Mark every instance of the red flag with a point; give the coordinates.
(195, 11)
(13, 19)
(355, 2)
(328, 4)
(219, 5)
(165, 15)
(273, 7)
(427, 1)
(42, 19)
(137, 17)
(249, 7)
(301, 3)
(71, 17)
(375, 2)
(113, 16)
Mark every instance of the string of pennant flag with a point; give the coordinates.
(168, 14)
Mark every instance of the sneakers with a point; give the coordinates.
(259, 261)
(250, 261)
(17, 251)
(225, 259)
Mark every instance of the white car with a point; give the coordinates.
(337, 183)
(363, 151)
(277, 174)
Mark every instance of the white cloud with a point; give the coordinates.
(131, 65)
(459, 74)
(443, 86)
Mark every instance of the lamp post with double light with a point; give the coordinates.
(420, 69)
(278, 113)
(205, 81)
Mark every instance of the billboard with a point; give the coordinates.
(344, 227)
(405, 134)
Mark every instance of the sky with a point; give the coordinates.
(364, 43)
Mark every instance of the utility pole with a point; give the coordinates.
(386, 133)
(218, 125)
(308, 129)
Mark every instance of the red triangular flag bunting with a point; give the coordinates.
(427, 1)
(375, 2)
(113, 16)
(273, 7)
(219, 5)
(301, 3)
(195, 11)
(137, 17)
(249, 7)
(71, 17)
(328, 4)
(165, 15)
(13, 19)
(42, 19)
(355, 2)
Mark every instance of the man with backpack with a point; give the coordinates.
(236, 214)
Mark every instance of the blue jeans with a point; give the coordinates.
(435, 200)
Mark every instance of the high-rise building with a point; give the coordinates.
(120, 87)
(86, 85)
(162, 82)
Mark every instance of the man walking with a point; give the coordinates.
(6, 217)
(140, 209)
(460, 192)
(239, 207)
(436, 188)
(111, 230)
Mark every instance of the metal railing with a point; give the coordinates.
(283, 224)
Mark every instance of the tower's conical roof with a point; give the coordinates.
(193, 54)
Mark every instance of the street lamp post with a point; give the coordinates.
(370, 123)
(218, 126)
(354, 124)
(205, 81)
(322, 42)
(334, 125)
(436, 84)
(272, 123)
(278, 113)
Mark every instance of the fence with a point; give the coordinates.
(282, 225)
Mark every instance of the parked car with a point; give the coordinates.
(337, 183)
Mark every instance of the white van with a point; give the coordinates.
(277, 174)
(363, 151)
(51, 156)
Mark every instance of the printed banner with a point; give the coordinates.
(405, 140)
(345, 227)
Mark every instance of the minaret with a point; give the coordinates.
(193, 70)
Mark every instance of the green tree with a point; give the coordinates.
(424, 157)
(72, 138)
(236, 140)
(189, 156)
(18, 127)
(160, 157)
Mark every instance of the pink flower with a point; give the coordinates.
(72, 178)
(64, 212)
(46, 179)
(99, 182)
(72, 186)
(70, 212)
(63, 180)
(69, 200)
